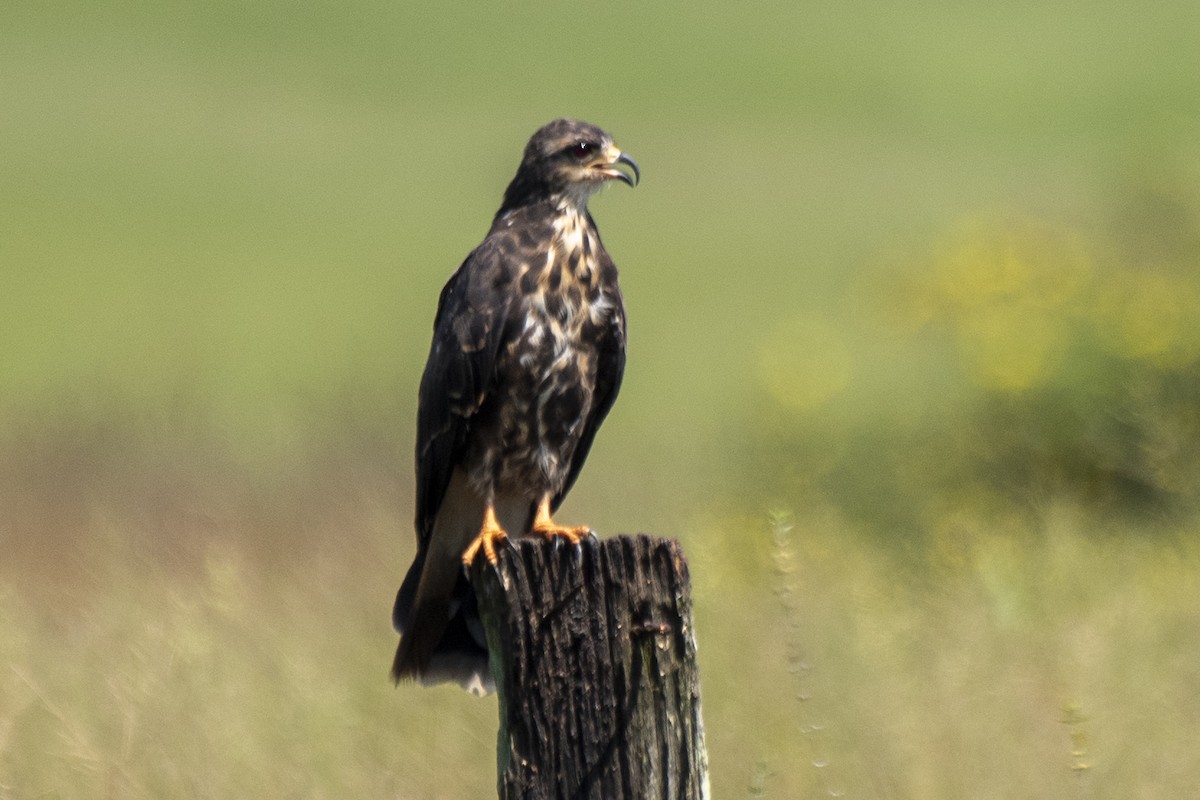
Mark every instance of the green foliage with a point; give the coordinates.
(1025, 362)
(222, 232)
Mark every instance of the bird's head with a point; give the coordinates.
(569, 160)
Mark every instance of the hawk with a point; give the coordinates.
(527, 356)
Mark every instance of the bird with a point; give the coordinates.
(526, 361)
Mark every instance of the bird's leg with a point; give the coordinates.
(542, 524)
(489, 534)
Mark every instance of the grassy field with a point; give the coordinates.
(914, 374)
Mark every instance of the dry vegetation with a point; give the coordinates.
(220, 643)
(914, 374)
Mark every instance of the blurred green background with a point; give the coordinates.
(914, 373)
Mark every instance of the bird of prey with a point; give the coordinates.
(527, 356)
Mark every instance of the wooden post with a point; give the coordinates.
(594, 657)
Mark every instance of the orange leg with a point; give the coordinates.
(489, 534)
(549, 528)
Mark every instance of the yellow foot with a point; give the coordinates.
(543, 525)
(573, 535)
(489, 535)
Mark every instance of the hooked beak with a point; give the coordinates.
(610, 169)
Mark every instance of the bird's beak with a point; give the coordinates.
(616, 157)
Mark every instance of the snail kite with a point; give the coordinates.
(527, 356)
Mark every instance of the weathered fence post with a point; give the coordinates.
(594, 657)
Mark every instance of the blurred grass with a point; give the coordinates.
(922, 277)
(256, 670)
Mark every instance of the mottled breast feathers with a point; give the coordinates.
(533, 314)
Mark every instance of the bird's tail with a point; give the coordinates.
(421, 614)
(441, 637)
(452, 652)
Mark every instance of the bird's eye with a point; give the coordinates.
(581, 150)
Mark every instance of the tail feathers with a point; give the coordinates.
(419, 639)
(422, 612)
(449, 652)
(441, 638)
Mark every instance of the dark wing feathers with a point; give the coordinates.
(467, 333)
(469, 329)
(609, 370)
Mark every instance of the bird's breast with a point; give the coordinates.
(545, 375)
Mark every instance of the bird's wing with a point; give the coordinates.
(610, 367)
(467, 333)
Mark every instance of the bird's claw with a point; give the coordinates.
(574, 537)
(489, 537)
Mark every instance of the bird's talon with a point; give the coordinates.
(490, 534)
